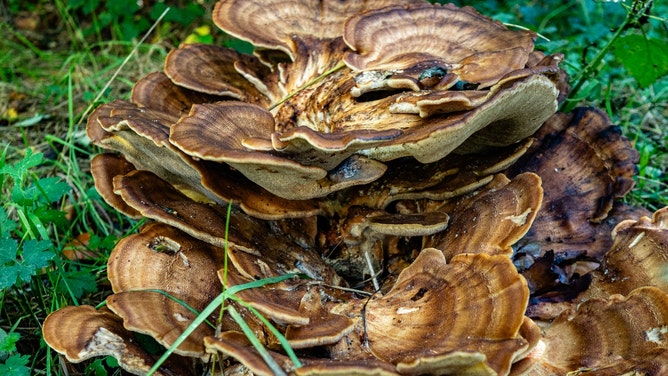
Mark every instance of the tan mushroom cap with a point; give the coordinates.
(475, 48)
(82, 332)
(617, 333)
(276, 24)
(104, 167)
(637, 257)
(429, 321)
(157, 92)
(492, 219)
(228, 126)
(210, 69)
(585, 164)
(163, 258)
(323, 328)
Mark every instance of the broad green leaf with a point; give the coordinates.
(13, 267)
(8, 341)
(78, 282)
(53, 187)
(15, 365)
(18, 170)
(645, 59)
(8, 249)
(7, 226)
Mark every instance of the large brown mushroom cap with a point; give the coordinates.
(616, 334)
(429, 321)
(475, 48)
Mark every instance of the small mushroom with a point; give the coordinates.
(82, 332)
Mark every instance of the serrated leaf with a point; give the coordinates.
(54, 188)
(8, 341)
(645, 59)
(19, 169)
(15, 268)
(78, 283)
(7, 226)
(15, 365)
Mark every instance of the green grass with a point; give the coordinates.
(48, 81)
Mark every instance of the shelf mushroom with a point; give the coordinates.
(361, 144)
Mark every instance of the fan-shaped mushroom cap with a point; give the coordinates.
(637, 257)
(157, 92)
(474, 48)
(163, 258)
(212, 70)
(429, 321)
(276, 24)
(82, 332)
(280, 304)
(227, 126)
(493, 219)
(617, 333)
(578, 198)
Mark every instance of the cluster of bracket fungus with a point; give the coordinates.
(407, 161)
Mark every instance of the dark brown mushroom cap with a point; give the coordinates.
(104, 167)
(585, 164)
(280, 302)
(492, 219)
(475, 48)
(618, 332)
(82, 332)
(236, 345)
(210, 69)
(429, 321)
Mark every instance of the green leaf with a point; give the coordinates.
(79, 282)
(15, 365)
(7, 226)
(645, 59)
(18, 170)
(14, 267)
(54, 188)
(8, 341)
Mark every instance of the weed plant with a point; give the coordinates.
(57, 57)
